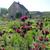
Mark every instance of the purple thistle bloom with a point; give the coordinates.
(18, 30)
(3, 49)
(45, 32)
(1, 33)
(23, 18)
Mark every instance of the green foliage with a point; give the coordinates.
(4, 11)
(18, 15)
(14, 41)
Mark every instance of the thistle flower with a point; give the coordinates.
(41, 38)
(40, 25)
(18, 30)
(23, 18)
(36, 45)
(45, 32)
(1, 33)
(24, 27)
(3, 49)
(46, 39)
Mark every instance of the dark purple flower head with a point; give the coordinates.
(24, 27)
(18, 30)
(40, 24)
(23, 18)
(3, 49)
(36, 45)
(46, 39)
(41, 38)
(1, 33)
(45, 32)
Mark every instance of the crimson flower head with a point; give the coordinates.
(40, 24)
(2, 49)
(41, 38)
(1, 33)
(36, 45)
(24, 27)
(18, 30)
(23, 18)
(45, 32)
(46, 39)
